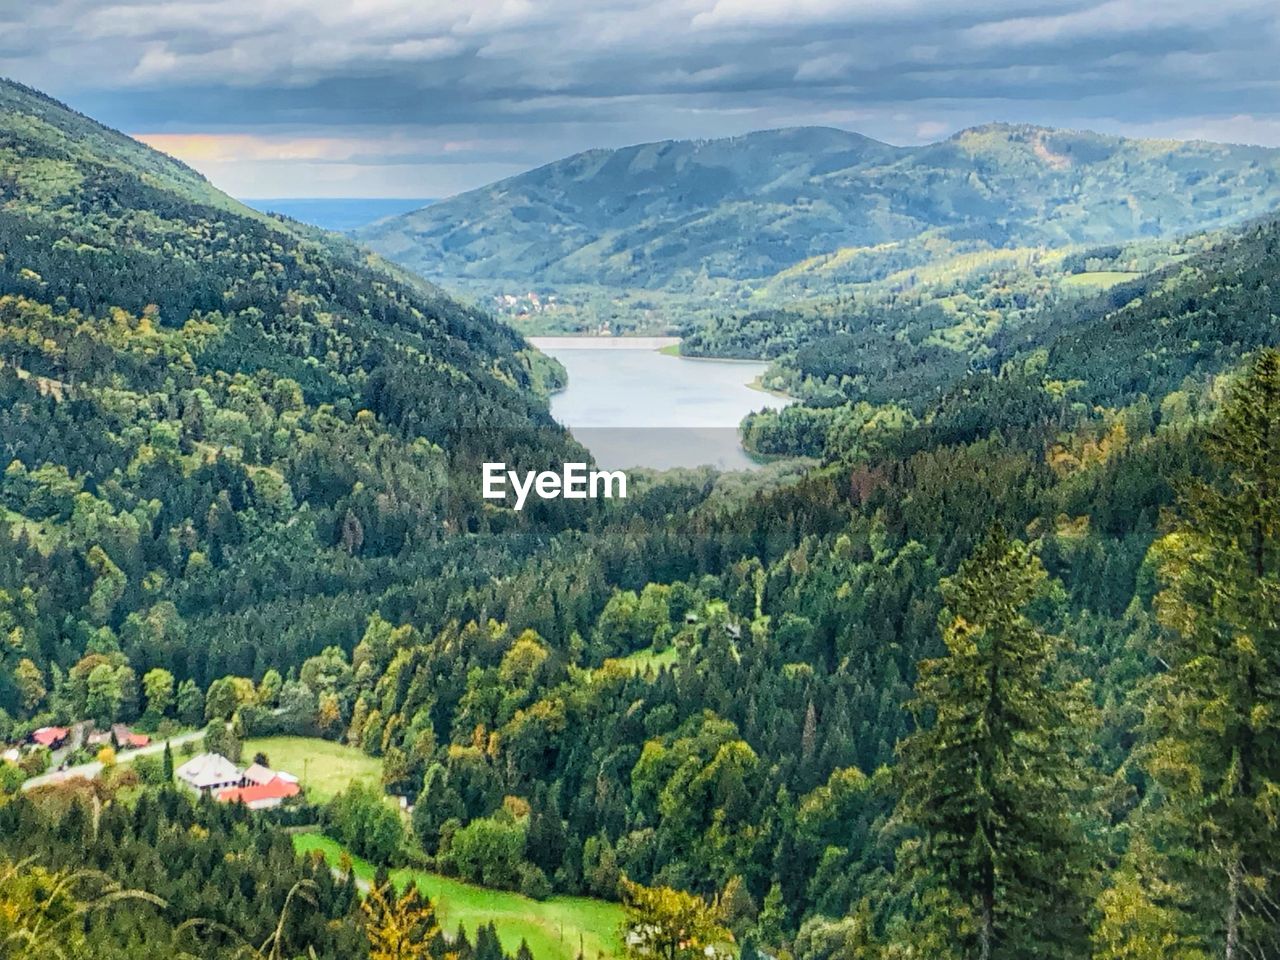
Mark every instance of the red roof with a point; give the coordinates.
(50, 736)
(276, 789)
(138, 740)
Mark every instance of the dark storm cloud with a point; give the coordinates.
(399, 95)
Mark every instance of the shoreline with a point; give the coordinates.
(757, 385)
(602, 343)
(667, 346)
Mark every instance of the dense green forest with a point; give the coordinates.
(996, 679)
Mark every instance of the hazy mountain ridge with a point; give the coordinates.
(694, 215)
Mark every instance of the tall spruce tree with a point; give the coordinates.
(991, 779)
(1214, 716)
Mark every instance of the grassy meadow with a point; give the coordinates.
(325, 768)
(558, 928)
(1096, 279)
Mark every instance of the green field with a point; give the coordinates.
(555, 929)
(1097, 280)
(323, 767)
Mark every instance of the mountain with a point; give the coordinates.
(93, 221)
(723, 219)
(1131, 325)
(251, 410)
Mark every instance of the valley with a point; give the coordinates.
(966, 662)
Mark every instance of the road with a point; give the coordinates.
(90, 771)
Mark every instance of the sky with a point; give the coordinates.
(426, 98)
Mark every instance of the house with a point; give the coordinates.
(51, 737)
(120, 735)
(127, 739)
(262, 796)
(261, 788)
(210, 773)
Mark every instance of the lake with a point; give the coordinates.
(633, 406)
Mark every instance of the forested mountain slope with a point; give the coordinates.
(1139, 321)
(905, 339)
(95, 220)
(787, 212)
(189, 387)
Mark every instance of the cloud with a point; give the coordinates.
(1116, 18)
(521, 82)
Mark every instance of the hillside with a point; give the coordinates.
(1145, 324)
(191, 391)
(774, 215)
(93, 220)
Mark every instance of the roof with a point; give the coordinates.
(127, 738)
(275, 789)
(209, 770)
(122, 735)
(48, 736)
(258, 774)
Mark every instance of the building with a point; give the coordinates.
(51, 737)
(256, 775)
(262, 796)
(120, 735)
(210, 773)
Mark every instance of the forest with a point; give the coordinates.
(995, 678)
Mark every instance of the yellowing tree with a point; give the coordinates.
(399, 927)
(670, 924)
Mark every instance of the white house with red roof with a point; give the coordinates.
(263, 796)
(258, 787)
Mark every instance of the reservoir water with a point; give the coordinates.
(633, 406)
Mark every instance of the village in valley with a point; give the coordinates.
(57, 754)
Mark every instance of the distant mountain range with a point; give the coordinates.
(784, 212)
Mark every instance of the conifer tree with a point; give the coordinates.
(488, 947)
(1213, 718)
(991, 781)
